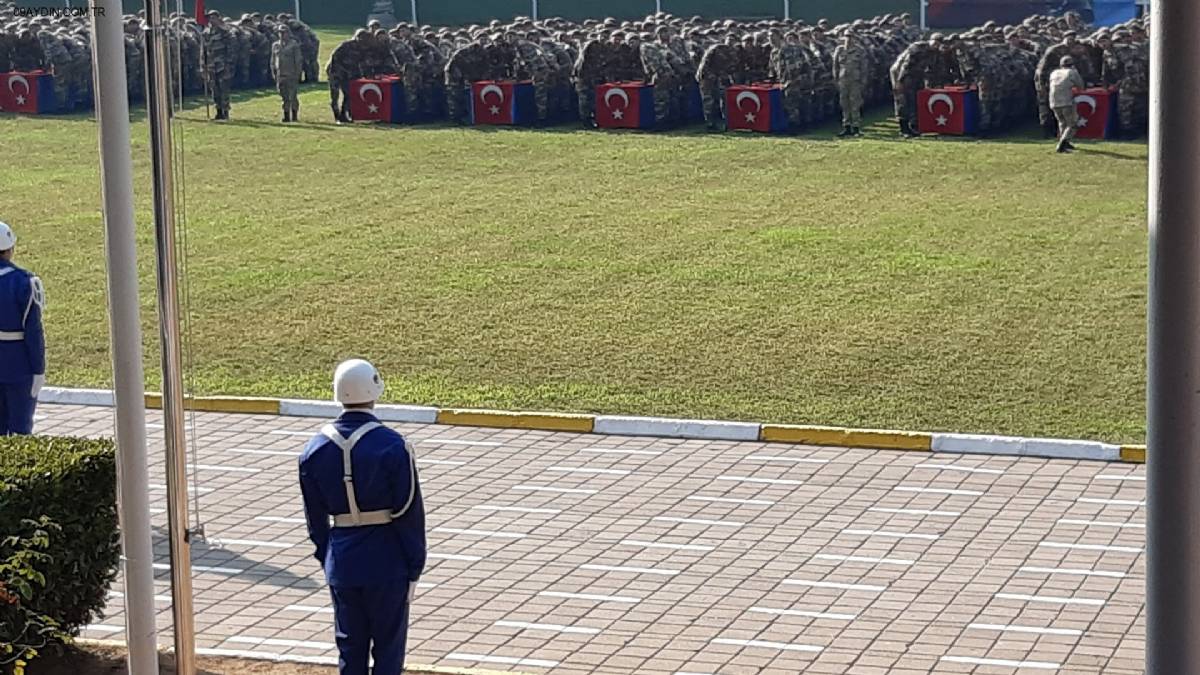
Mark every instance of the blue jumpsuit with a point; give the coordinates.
(22, 347)
(369, 561)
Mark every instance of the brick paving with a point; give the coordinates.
(668, 556)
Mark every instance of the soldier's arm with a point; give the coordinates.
(408, 511)
(35, 338)
(316, 513)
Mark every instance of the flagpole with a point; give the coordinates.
(413, 7)
(298, 11)
(125, 334)
(179, 536)
(787, 10)
(923, 4)
(533, 8)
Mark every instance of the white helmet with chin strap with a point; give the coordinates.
(7, 238)
(356, 382)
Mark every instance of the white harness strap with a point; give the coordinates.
(6, 270)
(347, 446)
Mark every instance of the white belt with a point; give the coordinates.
(12, 335)
(365, 518)
(355, 518)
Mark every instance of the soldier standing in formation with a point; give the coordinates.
(219, 67)
(287, 65)
(849, 71)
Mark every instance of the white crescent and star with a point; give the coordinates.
(370, 86)
(616, 92)
(1087, 100)
(933, 100)
(490, 89)
(748, 96)
(13, 80)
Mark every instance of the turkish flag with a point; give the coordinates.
(201, 17)
(1097, 108)
(503, 102)
(625, 105)
(31, 92)
(950, 111)
(755, 107)
(376, 100)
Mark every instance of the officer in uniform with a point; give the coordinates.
(362, 501)
(22, 343)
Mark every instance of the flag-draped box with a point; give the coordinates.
(377, 99)
(503, 102)
(1097, 108)
(755, 107)
(950, 111)
(28, 92)
(625, 105)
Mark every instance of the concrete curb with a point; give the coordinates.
(626, 425)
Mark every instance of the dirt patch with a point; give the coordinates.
(106, 660)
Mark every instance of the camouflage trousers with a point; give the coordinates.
(221, 83)
(311, 66)
(1068, 118)
(411, 78)
(585, 92)
(1133, 112)
(712, 100)
(541, 93)
(906, 105)
(288, 88)
(991, 106)
(457, 93)
(664, 96)
(850, 98)
(797, 102)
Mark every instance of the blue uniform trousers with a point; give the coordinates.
(374, 620)
(16, 407)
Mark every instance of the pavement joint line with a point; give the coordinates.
(1091, 547)
(547, 488)
(620, 451)
(1003, 663)
(595, 597)
(764, 481)
(222, 542)
(698, 521)
(221, 467)
(155, 487)
(1109, 476)
(782, 646)
(629, 570)
(454, 556)
(504, 660)
(821, 436)
(256, 451)
(1050, 599)
(888, 534)
(832, 616)
(206, 568)
(1007, 628)
(955, 467)
(730, 500)
(551, 627)
(514, 509)
(784, 458)
(673, 547)
(453, 441)
(441, 462)
(1072, 571)
(291, 432)
(915, 512)
(1100, 523)
(864, 559)
(938, 491)
(281, 519)
(871, 588)
(480, 533)
(281, 642)
(584, 470)
(1114, 502)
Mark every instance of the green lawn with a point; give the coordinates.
(935, 284)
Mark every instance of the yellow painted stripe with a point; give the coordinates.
(1133, 453)
(229, 404)
(517, 420)
(847, 438)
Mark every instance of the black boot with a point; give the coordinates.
(906, 129)
(855, 131)
(296, 113)
(287, 116)
(1069, 145)
(846, 131)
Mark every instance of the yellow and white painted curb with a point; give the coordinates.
(624, 425)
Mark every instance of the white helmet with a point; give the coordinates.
(356, 381)
(7, 238)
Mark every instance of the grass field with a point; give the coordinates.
(934, 284)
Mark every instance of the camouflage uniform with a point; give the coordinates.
(660, 74)
(531, 65)
(27, 54)
(432, 67)
(287, 65)
(1133, 89)
(849, 71)
(714, 75)
(468, 64)
(409, 70)
(220, 63)
(59, 60)
(589, 72)
(345, 64)
(789, 67)
(907, 76)
(135, 67)
(260, 55)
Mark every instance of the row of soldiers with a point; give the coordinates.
(232, 55)
(823, 67)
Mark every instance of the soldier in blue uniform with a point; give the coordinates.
(22, 343)
(362, 501)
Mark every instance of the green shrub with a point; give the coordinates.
(59, 545)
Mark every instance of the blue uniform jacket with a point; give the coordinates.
(385, 477)
(21, 310)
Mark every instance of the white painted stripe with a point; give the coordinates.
(956, 467)
(289, 432)
(916, 512)
(157, 510)
(1110, 476)
(454, 556)
(280, 519)
(628, 599)
(250, 542)
(506, 660)
(784, 458)
(441, 462)
(673, 547)
(834, 584)
(1116, 502)
(1031, 447)
(256, 451)
(1004, 628)
(864, 559)
(805, 613)
(309, 608)
(698, 521)
(783, 646)
(1006, 663)
(765, 481)
(479, 533)
(157, 598)
(451, 441)
(280, 642)
(937, 491)
(218, 467)
(576, 469)
(544, 488)
(630, 570)
(689, 672)
(729, 500)
(1101, 523)
(515, 509)
(1073, 571)
(204, 568)
(267, 656)
(552, 627)
(1051, 599)
(888, 534)
(1090, 547)
(102, 628)
(153, 425)
(159, 487)
(621, 451)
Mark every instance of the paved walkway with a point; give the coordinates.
(569, 553)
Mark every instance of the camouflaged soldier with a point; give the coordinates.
(219, 62)
(589, 72)
(531, 65)
(60, 65)
(310, 46)
(135, 66)
(287, 66)
(825, 90)
(1133, 88)
(26, 53)
(407, 64)
(431, 65)
(559, 65)
(260, 53)
(345, 64)
(849, 70)
(660, 74)
(789, 67)
(468, 64)
(80, 68)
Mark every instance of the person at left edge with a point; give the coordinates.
(362, 502)
(22, 342)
